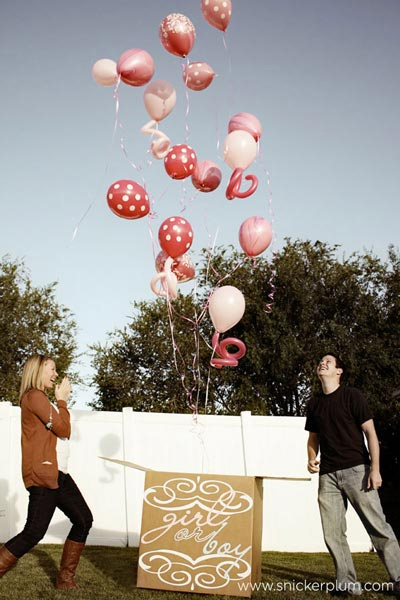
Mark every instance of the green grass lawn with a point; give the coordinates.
(106, 572)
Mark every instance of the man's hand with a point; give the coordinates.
(313, 465)
(374, 480)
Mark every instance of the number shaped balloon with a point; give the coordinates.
(169, 282)
(225, 358)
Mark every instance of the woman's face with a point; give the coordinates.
(49, 374)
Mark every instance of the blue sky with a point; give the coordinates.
(322, 77)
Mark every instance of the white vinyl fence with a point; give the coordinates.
(244, 445)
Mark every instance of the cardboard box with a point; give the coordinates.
(201, 533)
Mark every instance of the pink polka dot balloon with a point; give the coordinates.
(128, 199)
(217, 13)
(175, 236)
(198, 76)
(180, 161)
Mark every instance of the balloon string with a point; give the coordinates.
(108, 161)
(187, 103)
(271, 216)
(176, 351)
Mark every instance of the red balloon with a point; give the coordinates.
(198, 76)
(246, 122)
(127, 199)
(180, 161)
(255, 235)
(217, 13)
(135, 66)
(175, 236)
(182, 266)
(177, 34)
(206, 176)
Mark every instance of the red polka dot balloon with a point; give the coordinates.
(128, 199)
(180, 161)
(175, 236)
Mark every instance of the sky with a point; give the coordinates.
(321, 76)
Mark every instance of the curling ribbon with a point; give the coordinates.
(159, 147)
(233, 189)
(226, 359)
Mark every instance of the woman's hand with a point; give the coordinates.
(63, 390)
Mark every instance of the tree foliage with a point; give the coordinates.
(160, 360)
(30, 321)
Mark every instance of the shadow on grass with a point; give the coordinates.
(46, 562)
(115, 565)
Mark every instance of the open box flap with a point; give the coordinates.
(132, 465)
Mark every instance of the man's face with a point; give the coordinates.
(327, 368)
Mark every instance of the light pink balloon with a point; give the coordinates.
(240, 149)
(217, 12)
(136, 67)
(104, 72)
(246, 122)
(206, 176)
(159, 99)
(226, 307)
(177, 34)
(255, 235)
(198, 76)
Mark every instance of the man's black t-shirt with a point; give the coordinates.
(337, 419)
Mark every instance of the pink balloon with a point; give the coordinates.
(246, 122)
(177, 34)
(104, 72)
(226, 307)
(198, 76)
(255, 235)
(240, 149)
(217, 12)
(136, 67)
(206, 176)
(159, 99)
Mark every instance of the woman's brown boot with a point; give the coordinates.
(7, 560)
(69, 561)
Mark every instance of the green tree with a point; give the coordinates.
(30, 321)
(160, 360)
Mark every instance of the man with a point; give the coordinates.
(337, 421)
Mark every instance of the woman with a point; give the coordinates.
(45, 432)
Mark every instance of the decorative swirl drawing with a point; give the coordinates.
(184, 493)
(207, 572)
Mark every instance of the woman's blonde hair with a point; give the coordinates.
(32, 374)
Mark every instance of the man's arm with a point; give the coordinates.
(374, 479)
(312, 452)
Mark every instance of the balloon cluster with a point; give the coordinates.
(129, 200)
